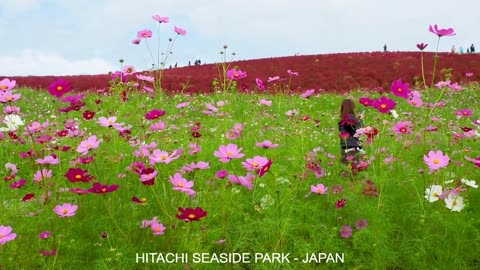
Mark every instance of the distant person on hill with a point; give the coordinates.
(472, 48)
(453, 50)
(460, 50)
(384, 47)
(468, 49)
(347, 126)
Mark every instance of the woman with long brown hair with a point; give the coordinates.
(347, 126)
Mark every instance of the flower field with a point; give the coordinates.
(245, 177)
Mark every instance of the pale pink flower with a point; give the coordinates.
(88, 144)
(157, 228)
(232, 135)
(292, 73)
(308, 93)
(160, 156)
(180, 31)
(253, 164)
(144, 33)
(8, 96)
(160, 19)
(265, 102)
(246, 181)
(50, 159)
(6, 234)
(7, 84)
(11, 110)
(158, 126)
(128, 70)
(194, 148)
(65, 210)
(41, 175)
(147, 223)
(145, 78)
(12, 167)
(274, 78)
(292, 112)
(403, 127)
(228, 152)
(211, 107)
(145, 177)
(319, 189)
(182, 184)
(266, 144)
(136, 41)
(110, 122)
(182, 105)
(436, 160)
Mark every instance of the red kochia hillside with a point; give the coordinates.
(331, 72)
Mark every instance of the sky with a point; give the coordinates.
(76, 37)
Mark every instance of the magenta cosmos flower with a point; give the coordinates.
(441, 32)
(346, 231)
(65, 210)
(160, 19)
(6, 234)
(422, 46)
(436, 160)
(228, 152)
(7, 84)
(154, 114)
(464, 112)
(246, 181)
(403, 127)
(59, 87)
(189, 214)
(260, 84)
(90, 143)
(366, 101)
(384, 104)
(102, 189)
(236, 74)
(400, 89)
(180, 31)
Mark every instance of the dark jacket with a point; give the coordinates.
(350, 124)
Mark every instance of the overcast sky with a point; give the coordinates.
(69, 37)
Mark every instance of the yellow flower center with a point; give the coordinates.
(383, 106)
(191, 216)
(229, 153)
(435, 194)
(158, 229)
(403, 130)
(319, 190)
(78, 176)
(236, 75)
(180, 184)
(436, 161)
(59, 88)
(399, 90)
(104, 189)
(254, 164)
(414, 102)
(454, 202)
(163, 157)
(143, 200)
(3, 87)
(9, 98)
(64, 211)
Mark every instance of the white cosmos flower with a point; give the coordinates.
(470, 183)
(454, 202)
(433, 192)
(394, 114)
(12, 121)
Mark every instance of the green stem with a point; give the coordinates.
(435, 64)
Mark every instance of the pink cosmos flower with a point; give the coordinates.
(455, 87)
(182, 184)
(11, 110)
(59, 87)
(157, 228)
(265, 102)
(221, 174)
(260, 84)
(292, 112)
(7, 84)
(464, 112)
(308, 93)
(44, 235)
(441, 32)
(366, 101)
(41, 175)
(18, 184)
(194, 148)
(128, 70)
(12, 167)
(469, 74)
(246, 181)
(201, 165)
(253, 164)
(148, 174)
(88, 144)
(65, 210)
(266, 144)
(50, 159)
(361, 224)
(384, 104)
(182, 105)
(436, 160)
(144, 33)
(8, 96)
(403, 127)
(291, 73)
(236, 74)
(319, 189)
(158, 126)
(145, 78)
(154, 114)
(229, 152)
(147, 223)
(102, 189)
(400, 89)
(160, 156)
(6, 234)
(272, 79)
(136, 41)
(346, 231)
(159, 19)
(180, 31)
(109, 122)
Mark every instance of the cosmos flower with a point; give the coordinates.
(65, 210)
(436, 160)
(188, 214)
(441, 32)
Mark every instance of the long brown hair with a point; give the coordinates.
(348, 107)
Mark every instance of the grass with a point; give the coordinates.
(279, 215)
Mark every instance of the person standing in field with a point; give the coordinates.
(472, 48)
(347, 126)
(384, 47)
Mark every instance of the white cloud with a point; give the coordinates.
(15, 6)
(34, 62)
